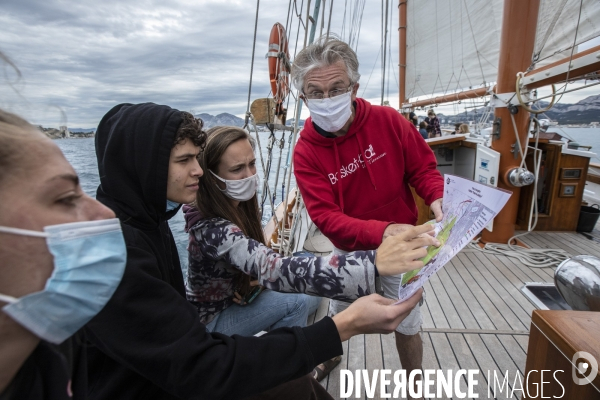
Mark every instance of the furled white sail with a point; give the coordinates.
(451, 45)
(454, 45)
(557, 27)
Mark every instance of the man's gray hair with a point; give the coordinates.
(324, 52)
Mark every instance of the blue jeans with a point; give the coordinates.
(270, 310)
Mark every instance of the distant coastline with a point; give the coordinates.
(583, 114)
(64, 133)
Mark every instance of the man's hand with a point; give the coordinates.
(395, 229)
(400, 253)
(436, 207)
(373, 314)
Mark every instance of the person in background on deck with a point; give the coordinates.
(354, 164)
(434, 125)
(456, 128)
(412, 117)
(148, 342)
(463, 128)
(423, 130)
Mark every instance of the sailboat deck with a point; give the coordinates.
(474, 316)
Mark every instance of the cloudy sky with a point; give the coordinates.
(78, 59)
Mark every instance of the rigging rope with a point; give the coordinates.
(534, 258)
(262, 163)
(329, 23)
(252, 63)
(384, 28)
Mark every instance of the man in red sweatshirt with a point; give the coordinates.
(354, 163)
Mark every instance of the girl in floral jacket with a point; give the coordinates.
(227, 253)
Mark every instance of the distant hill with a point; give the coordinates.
(221, 119)
(290, 122)
(582, 112)
(230, 120)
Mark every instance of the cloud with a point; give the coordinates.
(85, 57)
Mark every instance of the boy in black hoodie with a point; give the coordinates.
(148, 342)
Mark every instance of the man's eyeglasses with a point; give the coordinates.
(333, 93)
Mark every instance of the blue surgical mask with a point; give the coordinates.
(171, 205)
(89, 261)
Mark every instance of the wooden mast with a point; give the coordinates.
(402, 49)
(517, 40)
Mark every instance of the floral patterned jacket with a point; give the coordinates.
(218, 249)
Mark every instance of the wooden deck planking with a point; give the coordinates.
(374, 359)
(505, 290)
(471, 308)
(513, 350)
(508, 280)
(427, 319)
(480, 315)
(509, 268)
(591, 246)
(435, 310)
(504, 304)
(584, 245)
(493, 312)
(568, 241)
(454, 296)
(501, 357)
(466, 359)
(430, 359)
(445, 355)
(356, 358)
(484, 359)
(452, 316)
(535, 274)
(523, 341)
(391, 360)
(332, 382)
(564, 243)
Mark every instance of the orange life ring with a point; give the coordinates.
(279, 65)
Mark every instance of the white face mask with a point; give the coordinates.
(239, 189)
(331, 113)
(89, 262)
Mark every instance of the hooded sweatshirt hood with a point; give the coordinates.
(133, 147)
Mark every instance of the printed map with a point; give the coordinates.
(468, 207)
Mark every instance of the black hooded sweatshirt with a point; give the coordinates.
(147, 342)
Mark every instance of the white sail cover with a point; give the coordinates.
(451, 45)
(454, 45)
(557, 27)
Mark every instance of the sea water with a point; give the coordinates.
(82, 155)
(583, 136)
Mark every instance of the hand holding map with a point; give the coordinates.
(468, 207)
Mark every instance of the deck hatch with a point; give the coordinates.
(544, 296)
